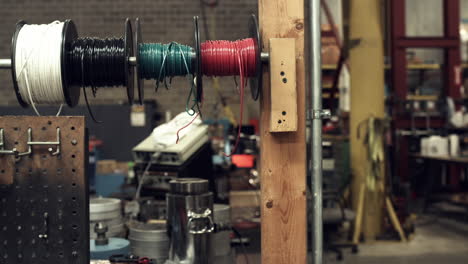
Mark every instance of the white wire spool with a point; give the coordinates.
(39, 68)
(38, 64)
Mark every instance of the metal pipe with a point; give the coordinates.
(5, 63)
(265, 57)
(316, 128)
(132, 61)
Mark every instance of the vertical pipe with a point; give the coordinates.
(315, 73)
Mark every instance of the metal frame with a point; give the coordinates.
(450, 42)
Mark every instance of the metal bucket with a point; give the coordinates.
(149, 240)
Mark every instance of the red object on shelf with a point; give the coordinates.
(243, 160)
(256, 124)
(93, 143)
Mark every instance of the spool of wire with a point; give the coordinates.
(96, 63)
(251, 57)
(229, 58)
(160, 62)
(232, 58)
(39, 68)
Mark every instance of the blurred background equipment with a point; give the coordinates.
(103, 247)
(150, 240)
(106, 211)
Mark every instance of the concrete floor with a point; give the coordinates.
(437, 240)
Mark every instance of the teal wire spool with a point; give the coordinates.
(162, 61)
(159, 61)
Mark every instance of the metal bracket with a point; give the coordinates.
(2, 146)
(39, 143)
(320, 114)
(204, 219)
(30, 143)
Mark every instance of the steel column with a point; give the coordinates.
(315, 73)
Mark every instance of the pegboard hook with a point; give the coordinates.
(42, 143)
(4, 151)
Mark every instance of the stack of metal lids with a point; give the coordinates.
(149, 240)
(221, 241)
(109, 212)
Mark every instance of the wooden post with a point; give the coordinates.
(367, 99)
(283, 158)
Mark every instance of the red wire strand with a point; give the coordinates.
(227, 58)
(182, 128)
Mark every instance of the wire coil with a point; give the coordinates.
(164, 61)
(159, 61)
(98, 62)
(231, 58)
(37, 65)
(228, 58)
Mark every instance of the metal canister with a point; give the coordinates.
(149, 240)
(190, 221)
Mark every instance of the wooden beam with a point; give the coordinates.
(283, 159)
(283, 85)
(367, 99)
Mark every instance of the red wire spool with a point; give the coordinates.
(228, 58)
(231, 58)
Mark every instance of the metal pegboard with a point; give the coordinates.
(44, 195)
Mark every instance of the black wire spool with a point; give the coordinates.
(95, 62)
(69, 35)
(138, 41)
(257, 81)
(197, 61)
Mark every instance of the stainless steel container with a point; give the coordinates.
(149, 240)
(190, 221)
